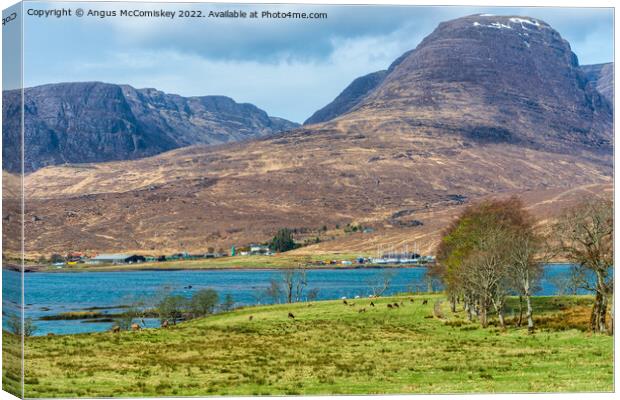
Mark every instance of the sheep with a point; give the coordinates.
(135, 327)
(165, 324)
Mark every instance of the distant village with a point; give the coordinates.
(386, 258)
(75, 258)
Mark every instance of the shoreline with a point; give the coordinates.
(36, 269)
(232, 268)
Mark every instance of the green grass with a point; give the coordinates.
(329, 348)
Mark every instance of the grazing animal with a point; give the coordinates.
(401, 303)
(361, 310)
(165, 324)
(390, 306)
(116, 329)
(50, 334)
(251, 317)
(352, 304)
(424, 301)
(290, 315)
(372, 304)
(344, 302)
(396, 305)
(411, 300)
(135, 327)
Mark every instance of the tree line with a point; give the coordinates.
(495, 249)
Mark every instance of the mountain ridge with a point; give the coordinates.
(75, 122)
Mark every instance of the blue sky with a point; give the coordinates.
(288, 68)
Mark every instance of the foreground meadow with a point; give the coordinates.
(329, 347)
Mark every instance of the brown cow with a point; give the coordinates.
(135, 327)
(116, 329)
(361, 310)
(251, 317)
(424, 301)
(50, 334)
(396, 305)
(345, 302)
(372, 304)
(390, 306)
(164, 324)
(290, 315)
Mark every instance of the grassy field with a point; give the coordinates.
(246, 262)
(327, 348)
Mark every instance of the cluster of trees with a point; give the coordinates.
(488, 253)
(283, 241)
(174, 308)
(494, 250)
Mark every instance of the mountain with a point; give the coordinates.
(484, 106)
(97, 122)
(492, 78)
(602, 77)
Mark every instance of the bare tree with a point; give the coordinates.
(486, 273)
(381, 282)
(585, 235)
(525, 266)
(274, 291)
(291, 285)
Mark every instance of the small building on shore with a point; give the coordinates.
(116, 259)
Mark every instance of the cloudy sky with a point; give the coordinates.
(290, 68)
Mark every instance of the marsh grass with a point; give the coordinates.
(327, 348)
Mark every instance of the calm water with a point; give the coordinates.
(53, 293)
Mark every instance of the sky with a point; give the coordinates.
(289, 68)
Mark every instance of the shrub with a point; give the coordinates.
(203, 302)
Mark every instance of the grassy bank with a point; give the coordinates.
(277, 261)
(328, 347)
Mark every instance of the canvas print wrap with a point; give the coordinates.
(306, 199)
